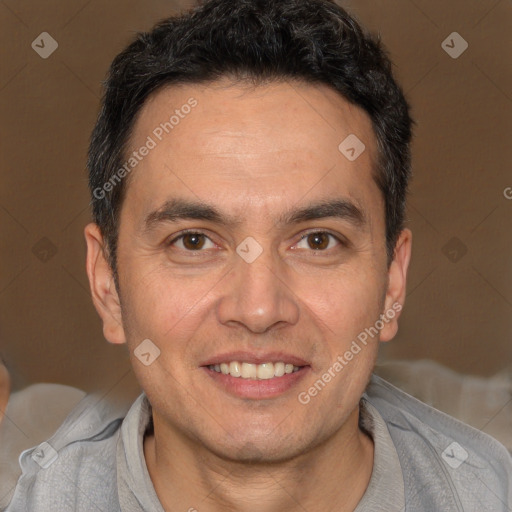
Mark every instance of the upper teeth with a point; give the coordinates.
(254, 371)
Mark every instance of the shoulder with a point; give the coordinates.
(33, 414)
(442, 458)
(75, 469)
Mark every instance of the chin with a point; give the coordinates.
(264, 449)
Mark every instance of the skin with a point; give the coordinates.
(5, 387)
(253, 153)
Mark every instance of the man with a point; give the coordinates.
(248, 172)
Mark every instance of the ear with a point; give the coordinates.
(397, 277)
(101, 280)
(5, 389)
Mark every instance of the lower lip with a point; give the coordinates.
(257, 389)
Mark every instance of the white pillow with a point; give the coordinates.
(482, 402)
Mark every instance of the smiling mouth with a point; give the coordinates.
(264, 371)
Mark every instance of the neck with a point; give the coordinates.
(331, 476)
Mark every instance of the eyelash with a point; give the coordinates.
(188, 232)
(340, 241)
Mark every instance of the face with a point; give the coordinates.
(247, 236)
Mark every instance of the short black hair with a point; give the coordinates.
(257, 41)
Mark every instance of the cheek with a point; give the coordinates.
(169, 311)
(160, 306)
(345, 302)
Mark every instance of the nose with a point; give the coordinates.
(257, 296)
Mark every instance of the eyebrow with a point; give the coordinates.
(338, 208)
(181, 209)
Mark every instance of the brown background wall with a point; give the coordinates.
(459, 304)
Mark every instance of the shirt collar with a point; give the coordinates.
(385, 491)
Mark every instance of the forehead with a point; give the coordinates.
(240, 145)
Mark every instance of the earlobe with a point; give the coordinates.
(103, 290)
(397, 280)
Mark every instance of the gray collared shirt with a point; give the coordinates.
(424, 460)
(385, 492)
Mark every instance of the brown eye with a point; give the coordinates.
(193, 241)
(318, 240)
